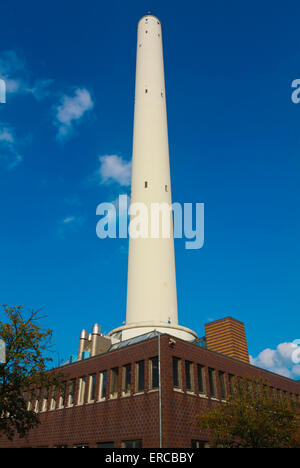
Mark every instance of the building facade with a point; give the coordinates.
(144, 392)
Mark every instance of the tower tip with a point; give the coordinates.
(150, 14)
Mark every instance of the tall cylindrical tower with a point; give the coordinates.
(151, 289)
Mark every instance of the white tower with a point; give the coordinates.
(151, 289)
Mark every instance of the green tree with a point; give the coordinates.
(254, 416)
(24, 370)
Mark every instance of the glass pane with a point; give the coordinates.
(154, 382)
(176, 372)
(141, 376)
(104, 384)
(127, 379)
(211, 374)
(188, 375)
(201, 379)
(105, 445)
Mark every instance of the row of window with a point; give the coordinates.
(124, 444)
(146, 186)
(187, 376)
(129, 444)
(74, 391)
(161, 93)
(199, 383)
(209, 382)
(146, 20)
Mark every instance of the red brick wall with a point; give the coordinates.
(136, 416)
(179, 409)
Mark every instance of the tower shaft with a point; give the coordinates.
(151, 287)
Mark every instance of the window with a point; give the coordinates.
(81, 446)
(222, 385)
(189, 377)
(177, 372)
(114, 382)
(212, 382)
(201, 379)
(126, 379)
(37, 401)
(231, 383)
(61, 446)
(146, 91)
(103, 385)
(105, 445)
(62, 395)
(199, 444)
(29, 404)
(132, 444)
(72, 389)
(45, 400)
(154, 372)
(82, 383)
(140, 376)
(146, 184)
(92, 387)
(166, 188)
(53, 400)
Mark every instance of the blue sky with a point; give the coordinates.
(234, 145)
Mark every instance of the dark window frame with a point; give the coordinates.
(154, 373)
(140, 376)
(212, 382)
(201, 379)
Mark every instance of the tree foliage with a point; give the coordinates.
(254, 416)
(25, 369)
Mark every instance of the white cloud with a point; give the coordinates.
(113, 169)
(70, 110)
(278, 360)
(296, 370)
(41, 89)
(69, 219)
(9, 154)
(6, 135)
(13, 70)
(19, 80)
(70, 224)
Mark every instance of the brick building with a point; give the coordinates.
(120, 399)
